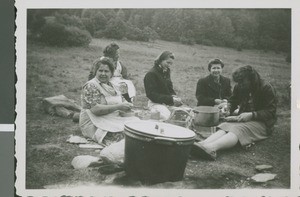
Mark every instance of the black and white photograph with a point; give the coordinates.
(129, 100)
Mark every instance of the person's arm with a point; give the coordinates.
(233, 101)
(94, 100)
(269, 110)
(151, 87)
(124, 71)
(201, 94)
(169, 83)
(232, 105)
(227, 90)
(171, 89)
(101, 109)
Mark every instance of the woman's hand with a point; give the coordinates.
(219, 101)
(231, 118)
(125, 106)
(222, 106)
(245, 117)
(177, 101)
(224, 111)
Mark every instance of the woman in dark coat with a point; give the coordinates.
(214, 89)
(256, 117)
(159, 87)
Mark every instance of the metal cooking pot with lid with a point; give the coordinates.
(155, 151)
(206, 116)
(158, 131)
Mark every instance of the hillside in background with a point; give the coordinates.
(266, 29)
(54, 71)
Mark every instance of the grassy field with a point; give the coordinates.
(53, 71)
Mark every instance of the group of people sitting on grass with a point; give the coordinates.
(251, 106)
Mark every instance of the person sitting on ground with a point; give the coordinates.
(159, 87)
(256, 116)
(102, 103)
(120, 77)
(213, 89)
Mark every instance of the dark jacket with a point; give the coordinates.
(264, 103)
(158, 86)
(208, 90)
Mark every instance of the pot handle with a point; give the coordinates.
(164, 139)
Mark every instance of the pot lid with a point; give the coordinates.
(161, 129)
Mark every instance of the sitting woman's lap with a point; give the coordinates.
(89, 130)
(247, 132)
(162, 109)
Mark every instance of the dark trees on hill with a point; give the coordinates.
(266, 29)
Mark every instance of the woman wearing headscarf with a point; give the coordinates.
(159, 87)
(213, 89)
(256, 117)
(101, 105)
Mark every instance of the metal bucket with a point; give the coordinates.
(206, 116)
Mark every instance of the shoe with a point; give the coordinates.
(200, 151)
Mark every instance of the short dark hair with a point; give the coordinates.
(215, 61)
(98, 62)
(110, 50)
(165, 55)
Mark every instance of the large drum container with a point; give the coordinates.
(156, 152)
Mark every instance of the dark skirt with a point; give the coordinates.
(247, 132)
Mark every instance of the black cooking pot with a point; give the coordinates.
(156, 152)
